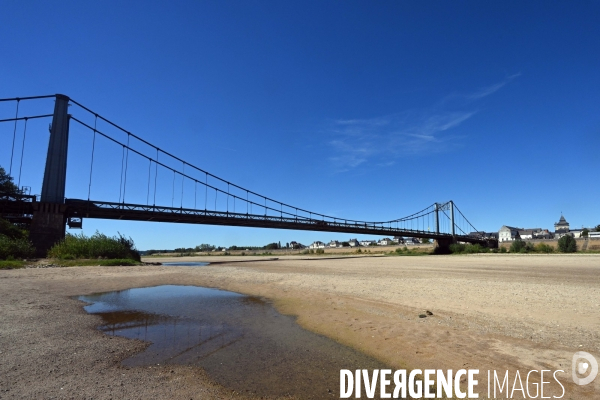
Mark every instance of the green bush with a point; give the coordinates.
(517, 246)
(544, 248)
(457, 248)
(462, 248)
(502, 249)
(14, 242)
(12, 231)
(15, 248)
(320, 251)
(529, 248)
(96, 246)
(567, 244)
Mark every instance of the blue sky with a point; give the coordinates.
(364, 110)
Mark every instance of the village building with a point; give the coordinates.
(385, 242)
(353, 243)
(527, 234)
(561, 228)
(508, 233)
(543, 234)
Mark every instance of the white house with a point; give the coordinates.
(526, 234)
(385, 242)
(353, 243)
(317, 245)
(508, 233)
(334, 243)
(366, 242)
(594, 235)
(576, 233)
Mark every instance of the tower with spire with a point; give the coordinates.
(562, 226)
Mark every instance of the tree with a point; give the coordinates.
(567, 244)
(585, 232)
(424, 240)
(205, 247)
(272, 246)
(597, 228)
(6, 183)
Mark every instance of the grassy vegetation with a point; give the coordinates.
(106, 263)
(313, 251)
(405, 251)
(519, 246)
(97, 246)
(12, 264)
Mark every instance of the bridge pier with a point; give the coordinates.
(49, 215)
(442, 246)
(47, 226)
(492, 244)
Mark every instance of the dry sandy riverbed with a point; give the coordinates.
(490, 312)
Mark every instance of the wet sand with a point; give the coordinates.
(493, 312)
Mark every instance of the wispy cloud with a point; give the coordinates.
(486, 91)
(384, 139)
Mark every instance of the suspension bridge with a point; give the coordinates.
(216, 201)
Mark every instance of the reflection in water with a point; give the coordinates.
(185, 264)
(241, 341)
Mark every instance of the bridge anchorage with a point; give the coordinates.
(225, 203)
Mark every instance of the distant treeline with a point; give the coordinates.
(209, 247)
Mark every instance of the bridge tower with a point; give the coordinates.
(49, 218)
(442, 246)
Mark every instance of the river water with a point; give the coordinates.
(241, 341)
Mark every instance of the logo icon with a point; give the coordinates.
(582, 364)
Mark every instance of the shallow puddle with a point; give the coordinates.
(185, 264)
(241, 341)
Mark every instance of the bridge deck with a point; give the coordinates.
(76, 208)
(136, 212)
